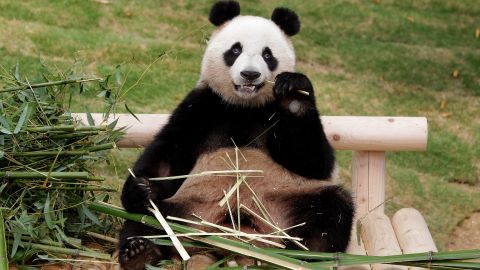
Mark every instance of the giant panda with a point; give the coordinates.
(248, 96)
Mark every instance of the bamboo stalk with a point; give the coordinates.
(205, 173)
(49, 153)
(66, 251)
(101, 147)
(102, 237)
(96, 148)
(42, 175)
(167, 242)
(40, 241)
(3, 244)
(176, 243)
(66, 128)
(232, 233)
(46, 84)
(96, 178)
(74, 135)
(87, 189)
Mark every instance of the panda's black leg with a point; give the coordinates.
(328, 213)
(135, 251)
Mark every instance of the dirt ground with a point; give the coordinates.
(467, 234)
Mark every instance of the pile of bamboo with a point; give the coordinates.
(46, 162)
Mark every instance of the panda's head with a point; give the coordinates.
(246, 53)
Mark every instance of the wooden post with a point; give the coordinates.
(368, 186)
(360, 182)
(377, 175)
(368, 181)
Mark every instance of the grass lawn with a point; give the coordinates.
(365, 58)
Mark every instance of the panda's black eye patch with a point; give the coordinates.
(232, 54)
(268, 57)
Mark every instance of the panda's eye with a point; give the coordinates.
(236, 51)
(269, 58)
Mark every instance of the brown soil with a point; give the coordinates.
(467, 234)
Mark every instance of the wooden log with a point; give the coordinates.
(344, 132)
(378, 133)
(354, 247)
(368, 181)
(412, 232)
(380, 239)
(138, 133)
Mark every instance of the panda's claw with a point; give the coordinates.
(136, 251)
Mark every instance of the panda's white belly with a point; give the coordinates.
(273, 187)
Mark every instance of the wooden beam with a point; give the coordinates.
(360, 133)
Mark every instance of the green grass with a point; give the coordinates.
(391, 58)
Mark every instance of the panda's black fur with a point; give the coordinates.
(204, 122)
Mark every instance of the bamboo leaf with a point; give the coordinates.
(17, 71)
(5, 131)
(16, 243)
(130, 111)
(23, 118)
(90, 119)
(47, 214)
(3, 245)
(4, 122)
(2, 187)
(90, 215)
(112, 125)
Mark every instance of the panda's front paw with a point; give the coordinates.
(136, 196)
(138, 251)
(143, 190)
(291, 84)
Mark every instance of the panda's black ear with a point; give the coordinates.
(287, 20)
(223, 11)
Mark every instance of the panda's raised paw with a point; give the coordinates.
(142, 189)
(292, 84)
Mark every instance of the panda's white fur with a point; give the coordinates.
(254, 33)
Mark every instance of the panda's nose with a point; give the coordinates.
(250, 75)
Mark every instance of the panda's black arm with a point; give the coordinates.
(298, 141)
(173, 151)
(300, 145)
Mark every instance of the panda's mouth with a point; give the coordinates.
(248, 88)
